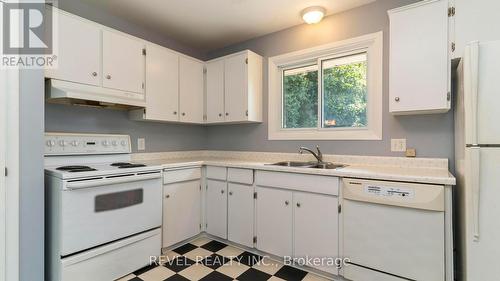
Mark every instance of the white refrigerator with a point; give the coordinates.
(477, 145)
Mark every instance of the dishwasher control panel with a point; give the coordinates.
(386, 191)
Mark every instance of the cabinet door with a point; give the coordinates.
(240, 214)
(274, 221)
(419, 61)
(123, 62)
(162, 84)
(216, 208)
(78, 51)
(215, 91)
(181, 211)
(316, 227)
(190, 90)
(236, 88)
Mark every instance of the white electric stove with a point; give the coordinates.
(103, 212)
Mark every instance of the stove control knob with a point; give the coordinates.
(115, 143)
(51, 143)
(124, 143)
(105, 143)
(63, 143)
(75, 143)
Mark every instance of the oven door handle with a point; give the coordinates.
(109, 181)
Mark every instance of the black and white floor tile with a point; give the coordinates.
(209, 260)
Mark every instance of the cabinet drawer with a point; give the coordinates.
(171, 176)
(302, 182)
(216, 173)
(240, 175)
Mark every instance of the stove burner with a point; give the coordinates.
(131, 166)
(88, 169)
(125, 165)
(76, 167)
(117, 164)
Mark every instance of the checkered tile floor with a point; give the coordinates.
(209, 260)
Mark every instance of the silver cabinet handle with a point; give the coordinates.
(227, 113)
(222, 191)
(298, 205)
(230, 193)
(94, 74)
(184, 114)
(108, 77)
(168, 196)
(175, 112)
(286, 202)
(220, 114)
(396, 99)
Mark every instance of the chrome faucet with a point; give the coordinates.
(318, 156)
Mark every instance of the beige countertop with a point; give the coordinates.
(431, 175)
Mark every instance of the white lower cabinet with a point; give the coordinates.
(181, 207)
(274, 221)
(240, 214)
(316, 227)
(216, 208)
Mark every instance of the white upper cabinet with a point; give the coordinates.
(419, 75)
(78, 48)
(162, 85)
(123, 62)
(234, 88)
(191, 86)
(215, 91)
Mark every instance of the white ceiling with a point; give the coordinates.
(212, 24)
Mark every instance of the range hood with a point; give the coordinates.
(64, 92)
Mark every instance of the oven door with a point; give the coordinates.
(100, 210)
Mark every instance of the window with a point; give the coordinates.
(328, 92)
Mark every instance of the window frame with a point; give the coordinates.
(372, 45)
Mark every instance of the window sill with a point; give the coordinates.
(324, 135)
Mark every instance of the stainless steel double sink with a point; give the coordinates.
(311, 165)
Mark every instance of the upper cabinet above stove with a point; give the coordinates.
(420, 57)
(95, 64)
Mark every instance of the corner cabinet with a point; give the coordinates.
(234, 88)
(191, 88)
(420, 58)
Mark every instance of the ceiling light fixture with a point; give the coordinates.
(313, 14)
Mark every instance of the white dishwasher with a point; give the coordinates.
(393, 231)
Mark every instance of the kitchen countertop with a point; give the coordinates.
(430, 175)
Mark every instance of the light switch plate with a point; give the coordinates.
(398, 145)
(141, 144)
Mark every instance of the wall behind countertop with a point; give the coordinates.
(431, 135)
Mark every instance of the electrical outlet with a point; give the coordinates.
(398, 145)
(141, 144)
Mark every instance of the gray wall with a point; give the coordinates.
(159, 137)
(431, 135)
